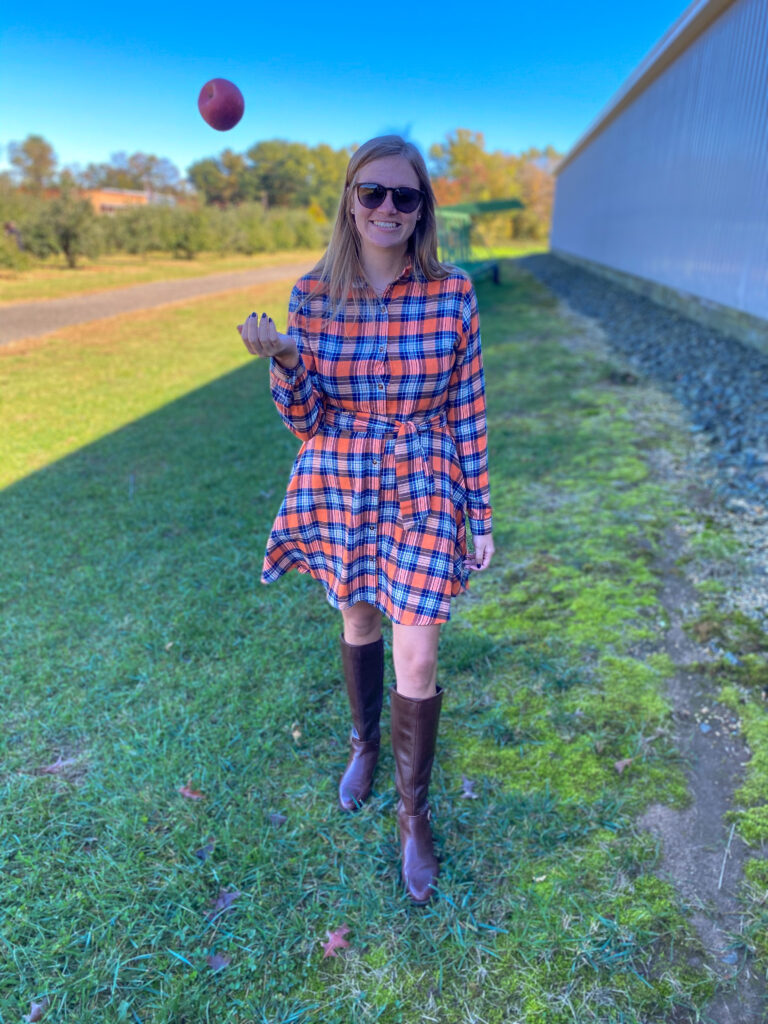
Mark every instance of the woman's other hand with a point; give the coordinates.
(261, 338)
(480, 558)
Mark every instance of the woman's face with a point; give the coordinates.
(386, 227)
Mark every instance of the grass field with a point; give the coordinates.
(52, 279)
(142, 469)
(510, 251)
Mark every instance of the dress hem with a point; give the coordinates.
(409, 619)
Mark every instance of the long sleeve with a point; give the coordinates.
(299, 401)
(467, 417)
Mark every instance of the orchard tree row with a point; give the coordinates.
(274, 173)
(38, 228)
(276, 195)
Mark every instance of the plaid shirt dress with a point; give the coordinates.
(389, 402)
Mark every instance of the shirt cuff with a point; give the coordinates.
(479, 525)
(286, 375)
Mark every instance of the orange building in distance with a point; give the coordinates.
(109, 200)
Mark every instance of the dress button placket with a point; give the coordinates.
(381, 353)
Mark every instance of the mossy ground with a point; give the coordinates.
(141, 650)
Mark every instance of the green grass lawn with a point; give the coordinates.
(53, 279)
(521, 248)
(142, 654)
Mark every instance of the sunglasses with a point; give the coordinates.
(371, 196)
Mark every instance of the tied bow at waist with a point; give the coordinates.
(415, 483)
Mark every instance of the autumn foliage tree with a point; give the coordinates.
(464, 171)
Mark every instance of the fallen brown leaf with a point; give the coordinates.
(217, 962)
(222, 903)
(189, 793)
(621, 765)
(37, 1010)
(469, 788)
(58, 766)
(335, 941)
(205, 851)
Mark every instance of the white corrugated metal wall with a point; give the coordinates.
(674, 188)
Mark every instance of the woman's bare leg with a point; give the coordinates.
(414, 651)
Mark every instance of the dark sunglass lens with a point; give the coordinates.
(371, 196)
(406, 199)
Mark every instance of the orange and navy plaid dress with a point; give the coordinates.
(388, 399)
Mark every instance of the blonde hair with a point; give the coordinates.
(340, 265)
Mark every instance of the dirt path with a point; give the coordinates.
(33, 319)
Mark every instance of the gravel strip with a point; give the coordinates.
(20, 320)
(719, 384)
(722, 382)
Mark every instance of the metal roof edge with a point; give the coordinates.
(694, 20)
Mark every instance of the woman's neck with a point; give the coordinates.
(383, 266)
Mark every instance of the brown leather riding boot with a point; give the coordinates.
(364, 673)
(414, 734)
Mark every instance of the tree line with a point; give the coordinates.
(276, 195)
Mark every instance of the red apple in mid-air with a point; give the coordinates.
(221, 104)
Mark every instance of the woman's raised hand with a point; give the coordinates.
(261, 338)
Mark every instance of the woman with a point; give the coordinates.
(380, 375)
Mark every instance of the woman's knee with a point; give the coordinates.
(362, 623)
(415, 656)
(420, 665)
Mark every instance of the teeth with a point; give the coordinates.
(384, 224)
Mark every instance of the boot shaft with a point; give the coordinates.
(364, 675)
(414, 736)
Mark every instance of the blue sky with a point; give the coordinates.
(95, 79)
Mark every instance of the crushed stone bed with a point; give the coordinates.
(722, 382)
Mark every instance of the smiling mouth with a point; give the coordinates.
(386, 225)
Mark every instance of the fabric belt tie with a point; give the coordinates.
(415, 482)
